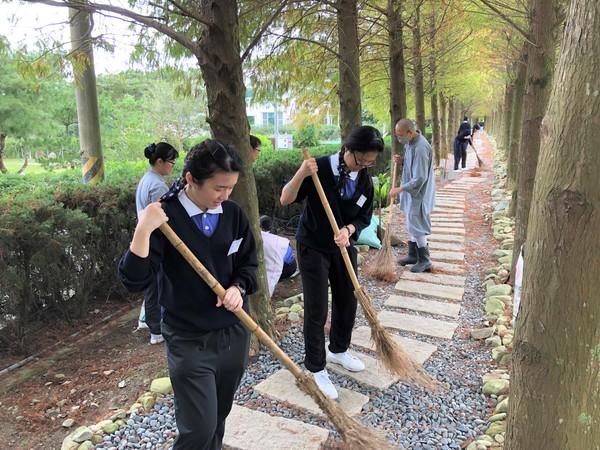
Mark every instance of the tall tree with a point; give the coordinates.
(396, 67)
(417, 63)
(555, 380)
(545, 19)
(88, 115)
(209, 31)
(349, 67)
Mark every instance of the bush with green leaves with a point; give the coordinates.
(61, 242)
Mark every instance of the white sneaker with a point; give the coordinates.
(325, 384)
(156, 338)
(345, 359)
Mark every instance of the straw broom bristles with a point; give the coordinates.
(382, 266)
(356, 435)
(393, 357)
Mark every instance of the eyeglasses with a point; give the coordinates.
(172, 161)
(360, 163)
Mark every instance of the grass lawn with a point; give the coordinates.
(13, 166)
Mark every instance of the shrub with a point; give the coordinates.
(60, 245)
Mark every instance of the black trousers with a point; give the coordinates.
(205, 370)
(151, 306)
(288, 269)
(316, 268)
(460, 154)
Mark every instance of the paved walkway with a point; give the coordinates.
(425, 305)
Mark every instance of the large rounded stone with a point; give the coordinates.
(495, 387)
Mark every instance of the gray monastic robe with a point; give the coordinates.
(417, 198)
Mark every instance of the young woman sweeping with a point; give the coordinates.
(207, 346)
(349, 191)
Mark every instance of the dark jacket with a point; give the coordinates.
(188, 302)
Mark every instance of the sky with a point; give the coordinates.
(26, 23)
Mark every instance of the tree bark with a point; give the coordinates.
(443, 126)
(418, 70)
(221, 66)
(544, 29)
(88, 114)
(517, 114)
(397, 69)
(555, 380)
(507, 119)
(3, 168)
(349, 67)
(452, 123)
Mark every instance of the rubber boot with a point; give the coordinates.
(424, 264)
(412, 257)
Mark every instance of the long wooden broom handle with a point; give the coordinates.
(220, 291)
(333, 223)
(394, 172)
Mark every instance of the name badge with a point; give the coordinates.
(361, 200)
(235, 246)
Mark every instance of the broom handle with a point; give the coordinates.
(394, 171)
(220, 291)
(333, 223)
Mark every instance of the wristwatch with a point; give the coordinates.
(241, 289)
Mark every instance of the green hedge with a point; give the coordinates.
(61, 242)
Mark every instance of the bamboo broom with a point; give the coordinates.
(479, 160)
(394, 358)
(382, 266)
(356, 435)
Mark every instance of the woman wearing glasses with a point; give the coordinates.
(207, 345)
(151, 187)
(349, 190)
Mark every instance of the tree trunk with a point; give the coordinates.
(418, 70)
(3, 168)
(221, 66)
(452, 123)
(517, 114)
(397, 71)
(443, 126)
(544, 29)
(435, 128)
(24, 166)
(435, 113)
(349, 67)
(88, 115)
(555, 380)
(507, 119)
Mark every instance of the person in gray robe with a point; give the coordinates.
(417, 193)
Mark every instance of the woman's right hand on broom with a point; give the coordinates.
(151, 217)
(290, 190)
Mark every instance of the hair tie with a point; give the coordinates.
(151, 148)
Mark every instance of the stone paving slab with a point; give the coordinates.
(374, 376)
(248, 429)
(452, 219)
(417, 324)
(442, 246)
(445, 224)
(449, 205)
(282, 386)
(420, 304)
(436, 278)
(456, 238)
(444, 267)
(418, 351)
(447, 256)
(454, 293)
(447, 230)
